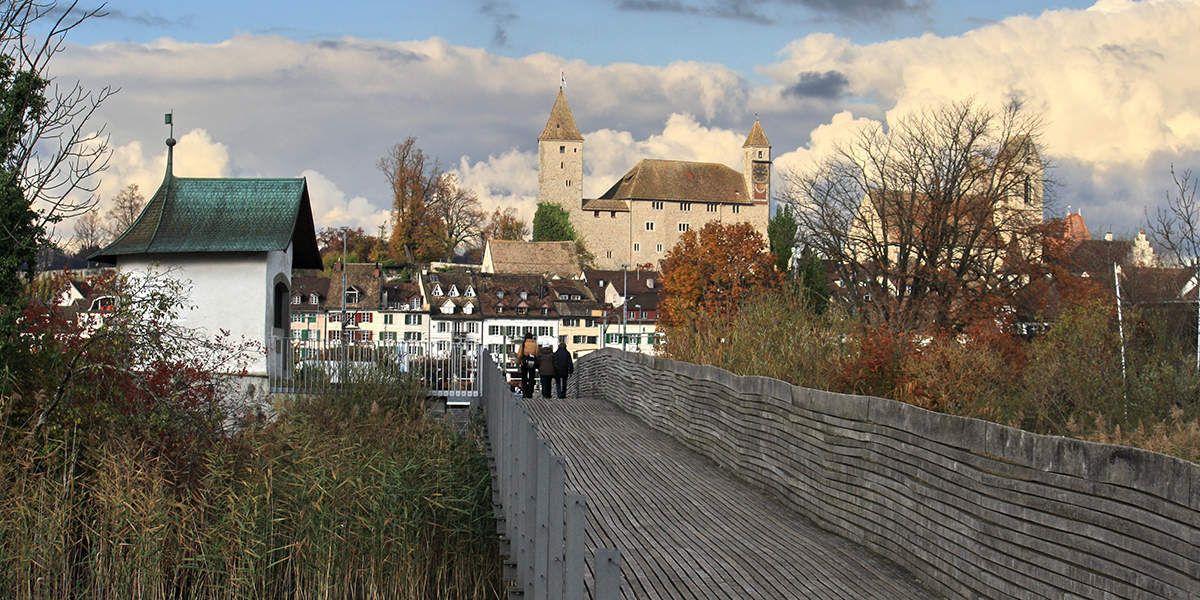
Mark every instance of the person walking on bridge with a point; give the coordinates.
(546, 369)
(527, 361)
(563, 368)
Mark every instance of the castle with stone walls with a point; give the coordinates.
(641, 217)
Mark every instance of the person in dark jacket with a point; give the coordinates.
(563, 368)
(546, 369)
(527, 352)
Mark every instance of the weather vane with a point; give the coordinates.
(167, 121)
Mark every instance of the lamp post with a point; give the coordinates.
(637, 314)
(624, 302)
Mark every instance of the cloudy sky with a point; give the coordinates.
(287, 89)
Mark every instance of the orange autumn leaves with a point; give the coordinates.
(714, 270)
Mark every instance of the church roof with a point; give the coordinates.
(561, 124)
(682, 181)
(200, 215)
(756, 137)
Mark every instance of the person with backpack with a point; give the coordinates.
(563, 368)
(527, 364)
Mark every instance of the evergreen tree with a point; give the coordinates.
(21, 106)
(813, 281)
(781, 232)
(552, 224)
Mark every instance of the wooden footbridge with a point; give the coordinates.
(688, 529)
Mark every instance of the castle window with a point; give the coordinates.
(649, 225)
(1028, 192)
(736, 209)
(658, 248)
(562, 149)
(613, 214)
(685, 206)
(760, 153)
(711, 208)
(608, 254)
(684, 227)
(637, 247)
(562, 165)
(656, 205)
(596, 214)
(568, 183)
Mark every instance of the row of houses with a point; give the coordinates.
(588, 310)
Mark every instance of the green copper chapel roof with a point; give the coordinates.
(201, 215)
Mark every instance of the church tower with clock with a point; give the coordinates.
(756, 165)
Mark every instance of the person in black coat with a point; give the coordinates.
(563, 368)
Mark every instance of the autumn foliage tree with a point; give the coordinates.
(431, 214)
(714, 270)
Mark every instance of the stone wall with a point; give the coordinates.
(974, 509)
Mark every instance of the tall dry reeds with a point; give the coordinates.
(339, 498)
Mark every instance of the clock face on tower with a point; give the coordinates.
(760, 172)
(760, 175)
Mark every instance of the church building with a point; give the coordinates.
(641, 216)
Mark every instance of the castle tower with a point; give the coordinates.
(560, 159)
(756, 165)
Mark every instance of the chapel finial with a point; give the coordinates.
(170, 140)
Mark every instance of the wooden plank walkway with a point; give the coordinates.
(688, 529)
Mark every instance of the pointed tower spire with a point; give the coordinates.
(756, 137)
(561, 125)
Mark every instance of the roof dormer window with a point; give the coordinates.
(468, 309)
(499, 294)
(470, 293)
(104, 304)
(296, 299)
(437, 290)
(351, 295)
(314, 299)
(448, 308)
(524, 295)
(414, 303)
(453, 291)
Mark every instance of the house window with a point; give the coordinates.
(415, 304)
(684, 227)
(658, 248)
(412, 336)
(573, 322)
(297, 318)
(296, 299)
(351, 295)
(104, 304)
(335, 334)
(649, 225)
(736, 209)
(494, 330)
(499, 309)
(521, 310)
(313, 299)
(412, 319)
(656, 205)
(685, 206)
(545, 311)
(443, 327)
(388, 336)
(281, 294)
(613, 214)
(544, 331)
(637, 247)
(562, 149)
(387, 319)
(711, 208)
(364, 317)
(596, 214)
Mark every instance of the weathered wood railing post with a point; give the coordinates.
(542, 528)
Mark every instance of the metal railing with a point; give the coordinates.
(448, 369)
(542, 527)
